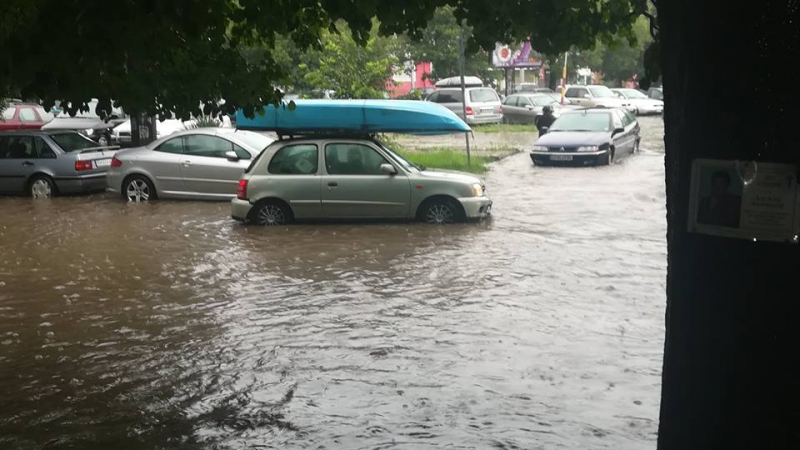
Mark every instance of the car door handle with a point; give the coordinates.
(332, 185)
(27, 163)
(187, 163)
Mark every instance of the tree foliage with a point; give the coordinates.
(167, 56)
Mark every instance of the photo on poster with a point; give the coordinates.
(746, 200)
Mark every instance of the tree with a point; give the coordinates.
(438, 44)
(164, 57)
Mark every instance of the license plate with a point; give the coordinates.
(102, 162)
(487, 110)
(560, 157)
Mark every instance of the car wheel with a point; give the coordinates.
(271, 214)
(609, 159)
(441, 211)
(636, 146)
(138, 188)
(41, 186)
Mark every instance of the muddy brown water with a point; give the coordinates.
(170, 326)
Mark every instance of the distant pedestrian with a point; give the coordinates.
(545, 120)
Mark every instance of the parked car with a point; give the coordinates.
(24, 116)
(526, 108)
(483, 104)
(656, 93)
(588, 137)
(640, 103)
(351, 178)
(89, 123)
(121, 135)
(594, 96)
(531, 88)
(205, 163)
(567, 104)
(47, 163)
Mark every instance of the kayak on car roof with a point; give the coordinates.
(355, 116)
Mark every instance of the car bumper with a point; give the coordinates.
(489, 118)
(240, 209)
(80, 184)
(476, 207)
(567, 158)
(651, 110)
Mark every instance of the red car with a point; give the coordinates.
(24, 116)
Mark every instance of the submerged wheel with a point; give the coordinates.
(138, 188)
(440, 211)
(609, 159)
(271, 214)
(41, 186)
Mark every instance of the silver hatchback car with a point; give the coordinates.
(205, 163)
(47, 163)
(351, 178)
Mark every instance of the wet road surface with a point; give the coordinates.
(168, 325)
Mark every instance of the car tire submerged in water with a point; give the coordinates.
(270, 213)
(609, 157)
(138, 188)
(440, 211)
(41, 186)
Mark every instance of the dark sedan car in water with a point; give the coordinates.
(588, 137)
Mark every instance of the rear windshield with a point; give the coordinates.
(483, 95)
(71, 142)
(543, 100)
(582, 122)
(602, 92)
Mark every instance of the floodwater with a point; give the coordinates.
(170, 326)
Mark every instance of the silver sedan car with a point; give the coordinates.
(47, 163)
(352, 178)
(205, 163)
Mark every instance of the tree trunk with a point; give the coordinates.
(732, 360)
(143, 130)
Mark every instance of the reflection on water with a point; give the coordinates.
(168, 325)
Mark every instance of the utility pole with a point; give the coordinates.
(564, 78)
(463, 86)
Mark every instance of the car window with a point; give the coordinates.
(70, 142)
(482, 96)
(616, 117)
(241, 153)
(8, 113)
(656, 94)
(451, 96)
(25, 147)
(353, 159)
(524, 101)
(301, 159)
(510, 100)
(433, 97)
(27, 115)
(543, 100)
(602, 92)
(574, 92)
(633, 93)
(581, 122)
(174, 145)
(204, 145)
(630, 118)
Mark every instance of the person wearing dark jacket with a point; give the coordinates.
(545, 120)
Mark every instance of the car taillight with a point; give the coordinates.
(83, 165)
(115, 162)
(469, 110)
(241, 193)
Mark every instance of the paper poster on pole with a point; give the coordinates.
(747, 200)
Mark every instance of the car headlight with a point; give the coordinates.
(588, 148)
(539, 148)
(477, 190)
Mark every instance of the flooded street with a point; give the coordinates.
(170, 326)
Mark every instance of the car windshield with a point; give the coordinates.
(408, 165)
(582, 122)
(542, 100)
(632, 93)
(602, 92)
(256, 140)
(482, 95)
(71, 142)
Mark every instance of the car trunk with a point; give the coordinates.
(99, 157)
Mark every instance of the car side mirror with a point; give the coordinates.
(619, 130)
(529, 107)
(231, 156)
(388, 169)
(587, 96)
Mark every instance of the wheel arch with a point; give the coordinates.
(431, 198)
(270, 199)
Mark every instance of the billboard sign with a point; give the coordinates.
(506, 57)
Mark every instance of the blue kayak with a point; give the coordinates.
(355, 116)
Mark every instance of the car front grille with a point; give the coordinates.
(562, 149)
